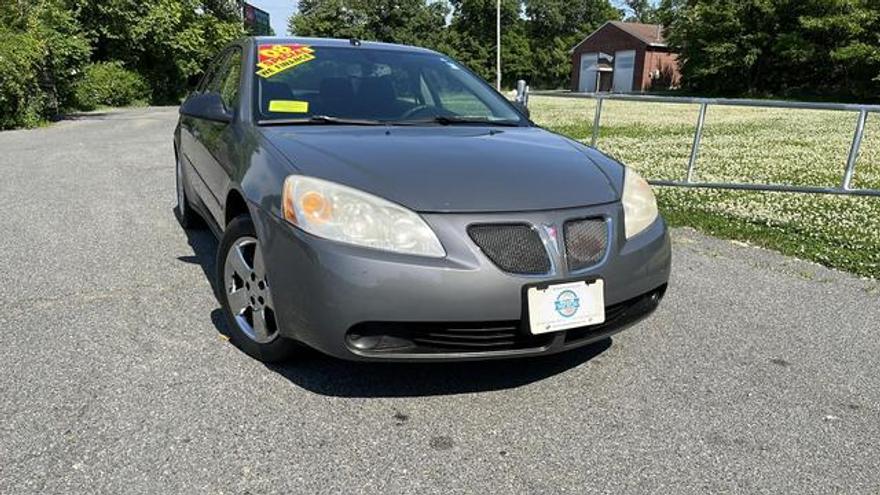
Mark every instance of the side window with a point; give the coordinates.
(210, 82)
(231, 78)
(427, 97)
(454, 95)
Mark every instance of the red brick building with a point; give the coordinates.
(624, 57)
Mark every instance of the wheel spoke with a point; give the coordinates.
(260, 329)
(236, 263)
(259, 267)
(248, 295)
(238, 301)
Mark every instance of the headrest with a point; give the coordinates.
(336, 88)
(276, 91)
(378, 90)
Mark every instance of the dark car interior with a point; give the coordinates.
(375, 85)
(361, 97)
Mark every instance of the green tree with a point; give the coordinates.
(555, 27)
(780, 47)
(848, 34)
(42, 54)
(668, 10)
(66, 51)
(473, 37)
(641, 11)
(536, 34)
(167, 41)
(413, 22)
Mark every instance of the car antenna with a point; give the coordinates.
(355, 42)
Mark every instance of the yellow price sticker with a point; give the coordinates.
(288, 106)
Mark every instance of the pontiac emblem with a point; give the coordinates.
(552, 236)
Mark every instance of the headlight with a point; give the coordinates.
(343, 214)
(639, 203)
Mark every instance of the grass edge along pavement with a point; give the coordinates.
(742, 144)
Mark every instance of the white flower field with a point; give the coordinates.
(757, 145)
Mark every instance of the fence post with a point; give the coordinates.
(854, 152)
(698, 136)
(596, 119)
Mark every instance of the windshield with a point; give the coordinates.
(364, 85)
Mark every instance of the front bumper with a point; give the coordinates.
(362, 304)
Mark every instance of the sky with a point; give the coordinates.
(279, 11)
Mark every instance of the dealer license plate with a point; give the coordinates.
(563, 306)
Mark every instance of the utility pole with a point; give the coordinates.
(498, 45)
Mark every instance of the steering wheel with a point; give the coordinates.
(414, 111)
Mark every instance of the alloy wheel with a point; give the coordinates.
(247, 291)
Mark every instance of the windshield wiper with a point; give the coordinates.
(320, 119)
(454, 119)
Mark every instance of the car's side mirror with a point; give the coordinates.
(207, 106)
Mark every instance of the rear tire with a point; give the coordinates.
(186, 215)
(246, 297)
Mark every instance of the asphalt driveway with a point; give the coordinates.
(759, 373)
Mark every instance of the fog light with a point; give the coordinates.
(364, 342)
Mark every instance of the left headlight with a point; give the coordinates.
(639, 203)
(344, 214)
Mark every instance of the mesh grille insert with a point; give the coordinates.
(514, 248)
(585, 242)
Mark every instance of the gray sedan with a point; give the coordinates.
(381, 202)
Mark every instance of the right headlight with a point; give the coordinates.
(639, 203)
(344, 214)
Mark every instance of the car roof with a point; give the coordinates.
(340, 43)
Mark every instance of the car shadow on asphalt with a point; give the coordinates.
(204, 246)
(329, 376)
(334, 377)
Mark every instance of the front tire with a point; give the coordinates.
(246, 296)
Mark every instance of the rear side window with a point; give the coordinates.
(209, 82)
(229, 83)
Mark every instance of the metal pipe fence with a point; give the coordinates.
(845, 186)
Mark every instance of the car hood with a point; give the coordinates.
(450, 169)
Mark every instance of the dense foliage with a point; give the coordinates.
(46, 47)
(793, 48)
(812, 48)
(110, 84)
(779, 47)
(535, 44)
(42, 48)
(22, 103)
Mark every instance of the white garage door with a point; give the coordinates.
(589, 70)
(624, 65)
